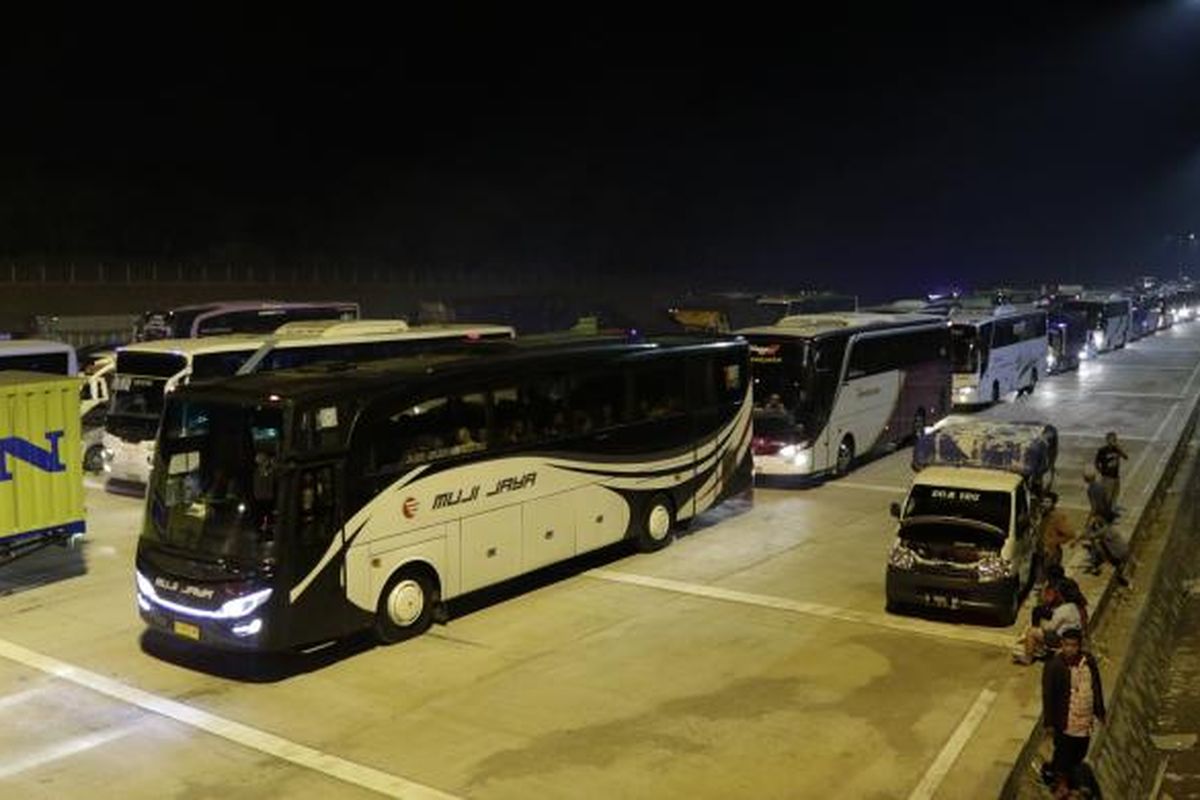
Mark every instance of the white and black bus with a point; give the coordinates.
(829, 388)
(295, 507)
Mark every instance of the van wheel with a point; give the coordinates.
(93, 459)
(918, 424)
(658, 525)
(406, 605)
(995, 392)
(1033, 381)
(1008, 615)
(845, 456)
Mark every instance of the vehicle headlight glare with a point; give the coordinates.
(994, 568)
(901, 557)
(241, 606)
(787, 451)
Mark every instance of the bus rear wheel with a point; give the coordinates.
(406, 606)
(995, 392)
(657, 525)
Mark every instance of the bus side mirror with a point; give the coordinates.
(895, 509)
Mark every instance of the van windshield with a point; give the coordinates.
(989, 507)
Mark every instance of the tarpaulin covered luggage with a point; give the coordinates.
(1027, 448)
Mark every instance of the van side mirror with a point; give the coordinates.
(895, 509)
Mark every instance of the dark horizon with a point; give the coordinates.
(894, 153)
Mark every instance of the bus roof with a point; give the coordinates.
(808, 326)
(306, 333)
(362, 379)
(264, 305)
(23, 347)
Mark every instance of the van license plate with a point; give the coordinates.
(941, 601)
(187, 630)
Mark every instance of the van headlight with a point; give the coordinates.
(994, 568)
(901, 557)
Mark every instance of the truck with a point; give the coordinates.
(41, 482)
(967, 537)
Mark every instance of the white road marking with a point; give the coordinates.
(950, 631)
(93, 483)
(950, 752)
(1136, 395)
(253, 738)
(1068, 434)
(63, 749)
(1158, 432)
(23, 696)
(870, 487)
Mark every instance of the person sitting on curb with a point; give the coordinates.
(1046, 635)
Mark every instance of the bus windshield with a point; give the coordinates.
(794, 383)
(964, 349)
(213, 488)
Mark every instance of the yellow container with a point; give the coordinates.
(41, 479)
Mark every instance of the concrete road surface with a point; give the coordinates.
(753, 658)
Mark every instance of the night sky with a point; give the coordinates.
(900, 152)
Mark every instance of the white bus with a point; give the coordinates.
(38, 355)
(831, 387)
(996, 352)
(296, 507)
(1109, 319)
(148, 371)
(237, 316)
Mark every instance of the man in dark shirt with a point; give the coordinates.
(1108, 464)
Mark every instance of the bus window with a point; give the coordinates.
(219, 365)
(432, 429)
(658, 389)
(596, 401)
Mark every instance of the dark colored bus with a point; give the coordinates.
(299, 506)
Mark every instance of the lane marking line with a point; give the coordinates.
(65, 749)
(1158, 432)
(880, 620)
(93, 483)
(870, 487)
(1137, 395)
(953, 748)
(253, 738)
(1073, 434)
(23, 696)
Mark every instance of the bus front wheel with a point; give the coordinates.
(658, 523)
(845, 456)
(406, 606)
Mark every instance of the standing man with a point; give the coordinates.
(1072, 703)
(1056, 531)
(1108, 464)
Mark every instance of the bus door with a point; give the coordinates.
(716, 389)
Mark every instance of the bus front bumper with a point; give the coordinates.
(246, 632)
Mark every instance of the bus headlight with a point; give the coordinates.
(248, 628)
(901, 557)
(993, 568)
(1051, 359)
(241, 606)
(1097, 339)
(1083, 354)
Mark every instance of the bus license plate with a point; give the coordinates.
(187, 630)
